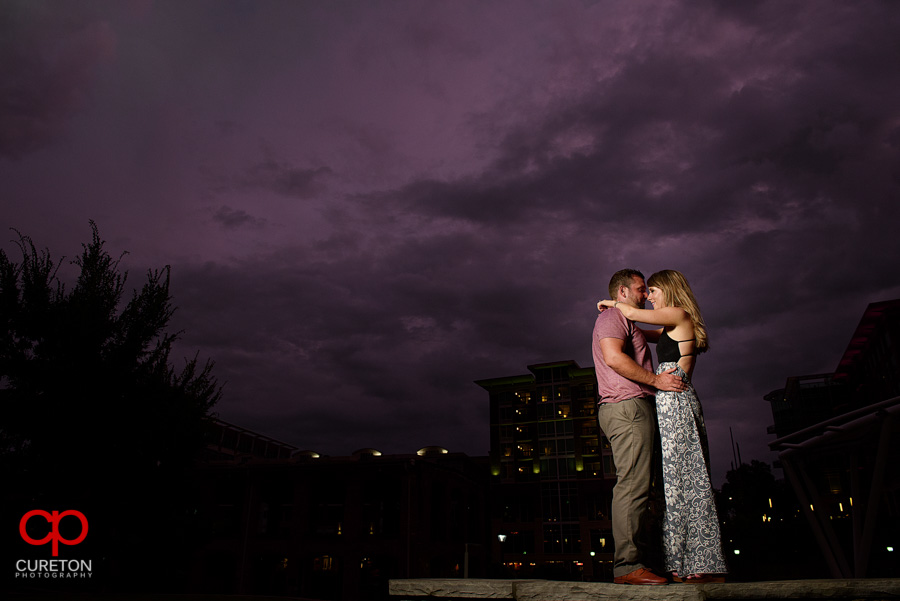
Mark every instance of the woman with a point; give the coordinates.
(691, 537)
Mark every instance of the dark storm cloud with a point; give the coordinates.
(767, 179)
(49, 55)
(233, 218)
(442, 193)
(285, 179)
(388, 333)
(330, 338)
(673, 134)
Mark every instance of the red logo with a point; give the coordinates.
(53, 519)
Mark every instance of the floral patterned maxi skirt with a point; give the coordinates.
(691, 537)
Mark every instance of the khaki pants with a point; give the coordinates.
(630, 426)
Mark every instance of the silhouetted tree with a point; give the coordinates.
(92, 414)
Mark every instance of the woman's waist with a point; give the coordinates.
(669, 365)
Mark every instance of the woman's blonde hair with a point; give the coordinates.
(678, 293)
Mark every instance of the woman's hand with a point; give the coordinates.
(605, 304)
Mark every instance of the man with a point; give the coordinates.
(626, 385)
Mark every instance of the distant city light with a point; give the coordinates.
(501, 537)
(737, 551)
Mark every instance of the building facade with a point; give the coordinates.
(838, 444)
(551, 475)
(333, 528)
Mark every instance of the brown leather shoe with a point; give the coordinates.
(640, 576)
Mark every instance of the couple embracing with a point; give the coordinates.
(633, 400)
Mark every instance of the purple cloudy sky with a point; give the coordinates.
(369, 205)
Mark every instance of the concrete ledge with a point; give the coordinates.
(884, 589)
(455, 588)
(583, 591)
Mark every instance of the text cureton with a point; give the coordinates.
(54, 565)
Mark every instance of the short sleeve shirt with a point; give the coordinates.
(611, 387)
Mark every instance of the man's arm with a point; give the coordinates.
(614, 355)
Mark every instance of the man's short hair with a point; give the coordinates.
(622, 277)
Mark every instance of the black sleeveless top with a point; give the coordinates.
(667, 350)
